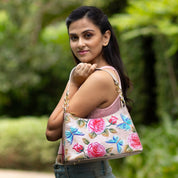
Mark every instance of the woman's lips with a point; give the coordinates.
(82, 52)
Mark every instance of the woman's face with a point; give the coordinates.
(86, 41)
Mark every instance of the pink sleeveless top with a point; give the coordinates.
(98, 112)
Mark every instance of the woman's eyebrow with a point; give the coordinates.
(88, 30)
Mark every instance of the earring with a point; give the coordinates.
(105, 44)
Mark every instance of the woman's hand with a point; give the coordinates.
(81, 73)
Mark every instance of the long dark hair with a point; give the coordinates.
(111, 52)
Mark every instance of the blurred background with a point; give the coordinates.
(35, 61)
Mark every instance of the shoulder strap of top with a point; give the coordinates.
(116, 82)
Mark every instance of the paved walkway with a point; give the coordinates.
(24, 174)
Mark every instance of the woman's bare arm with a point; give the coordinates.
(54, 126)
(55, 122)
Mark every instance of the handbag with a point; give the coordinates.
(90, 139)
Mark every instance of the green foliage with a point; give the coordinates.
(132, 55)
(24, 146)
(166, 74)
(30, 67)
(154, 22)
(159, 156)
(145, 17)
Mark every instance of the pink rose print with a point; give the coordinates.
(96, 150)
(96, 125)
(78, 148)
(113, 120)
(134, 141)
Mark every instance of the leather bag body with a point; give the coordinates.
(109, 137)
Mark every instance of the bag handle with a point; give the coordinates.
(116, 82)
(66, 99)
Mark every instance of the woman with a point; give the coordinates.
(92, 92)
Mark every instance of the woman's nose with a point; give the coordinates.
(81, 42)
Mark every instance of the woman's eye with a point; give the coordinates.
(73, 38)
(88, 35)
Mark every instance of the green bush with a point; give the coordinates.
(23, 144)
(159, 157)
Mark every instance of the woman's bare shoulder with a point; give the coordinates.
(100, 77)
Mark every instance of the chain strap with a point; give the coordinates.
(119, 90)
(66, 98)
(66, 101)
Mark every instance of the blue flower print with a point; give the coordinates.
(126, 123)
(116, 140)
(70, 134)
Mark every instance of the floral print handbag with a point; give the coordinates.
(110, 137)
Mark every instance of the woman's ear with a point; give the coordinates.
(106, 37)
